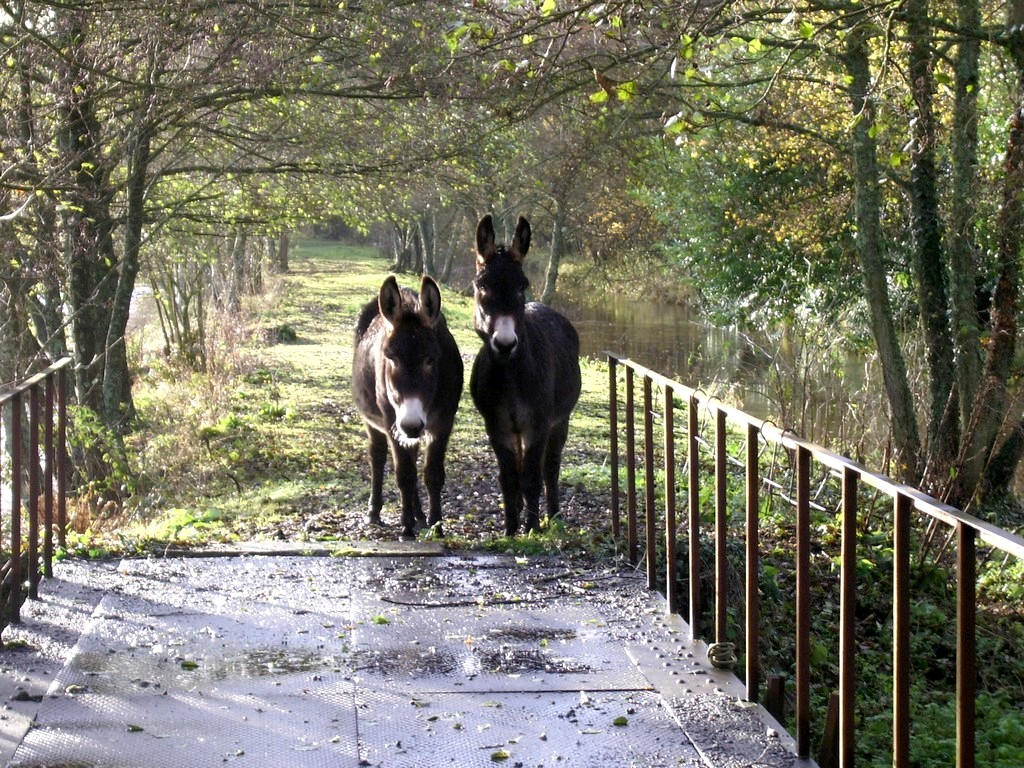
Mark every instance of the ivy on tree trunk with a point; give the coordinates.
(870, 252)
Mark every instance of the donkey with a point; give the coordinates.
(406, 383)
(526, 377)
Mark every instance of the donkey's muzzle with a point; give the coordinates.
(504, 338)
(504, 347)
(413, 431)
(411, 420)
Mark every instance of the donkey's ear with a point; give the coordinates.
(485, 248)
(430, 301)
(389, 300)
(521, 239)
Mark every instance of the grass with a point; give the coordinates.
(268, 445)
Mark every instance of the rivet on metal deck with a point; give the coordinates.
(389, 661)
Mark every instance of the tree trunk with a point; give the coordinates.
(46, 303)
(555, 258)
(402, 248)
(426, 226)
(929, 263)
(272, 252)
(87, 223)
(962, 246)
(905, 435)
(236, 276)
(119, 408)
(991, 404)
(255, 268)
(283, 248)
(454, 237)
(1003, 464)
(18, 347)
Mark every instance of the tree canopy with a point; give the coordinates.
(799, 162)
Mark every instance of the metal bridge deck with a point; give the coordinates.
(381, 660)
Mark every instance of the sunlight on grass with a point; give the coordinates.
(274, 443)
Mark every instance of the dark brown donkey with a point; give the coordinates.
(526, 378)
(406, 382)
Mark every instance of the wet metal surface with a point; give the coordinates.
(379, 661)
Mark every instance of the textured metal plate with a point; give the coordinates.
(207, 726)
(587, 730)
(389, 661)
(549, 647)
(197, 662)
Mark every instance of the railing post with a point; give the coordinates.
(966, 645)
(803, 602)
(829, 748)
(848, 621)
(753, 503)
(650, 529)
(17, 436)
(775, 697)
(613, 458)
(671, 571)
(631, 537)
(901, 632)
(49, 452)
(33, 492)
(62, 456)
(693, 526)
(721, 530)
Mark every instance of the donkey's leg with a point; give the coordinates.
(553, 465)
(405, 476)
(377, 453)
(532, 481)
(508, 480)
(433, 478)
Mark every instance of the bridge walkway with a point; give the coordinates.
(405, 656)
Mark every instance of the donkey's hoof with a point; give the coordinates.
(373, 518)
(407, 535)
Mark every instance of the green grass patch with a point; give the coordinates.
(273, 442)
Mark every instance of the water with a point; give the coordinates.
(675, 341)
(771, 376)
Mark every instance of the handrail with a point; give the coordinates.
(38, 464)
(851, 474)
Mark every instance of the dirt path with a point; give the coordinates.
(311, 374)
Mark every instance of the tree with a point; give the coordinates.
(892, 100)
(132, 119)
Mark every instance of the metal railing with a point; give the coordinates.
(34, 417)
(906, 501)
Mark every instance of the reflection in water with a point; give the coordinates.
(674, 341)
(769, 378)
